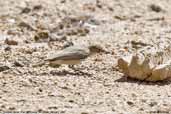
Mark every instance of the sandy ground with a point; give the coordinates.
(36, 27)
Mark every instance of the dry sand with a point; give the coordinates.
(115, 24)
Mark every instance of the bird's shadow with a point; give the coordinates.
(65, 72)
(143, 82)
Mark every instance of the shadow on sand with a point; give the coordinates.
(143, 82)
(64, 73)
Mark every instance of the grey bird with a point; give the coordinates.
(72, 55)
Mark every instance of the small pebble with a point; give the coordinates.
(40, 90)
(11, 42)
(7, 48)
(26, 10)
(155, 8)
(42, 36)
(84, 113)
(3, 67)
(11, 108)
(71, 101)
(18, 64)
(3, 106)
(152, 104)
(130, 103)
(24, 24)
(37, 7)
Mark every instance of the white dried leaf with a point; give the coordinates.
(150, 67)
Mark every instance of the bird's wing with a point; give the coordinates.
(69, 54)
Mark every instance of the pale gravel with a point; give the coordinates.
(106, 91)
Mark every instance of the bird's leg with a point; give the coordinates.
(73, 68)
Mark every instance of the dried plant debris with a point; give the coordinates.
(3, 67)
(75, 25)
(155, 8)
(154, 66)
(42, 36)
(138, 44)
(24, 24)
(25, 10)
(73, 21)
